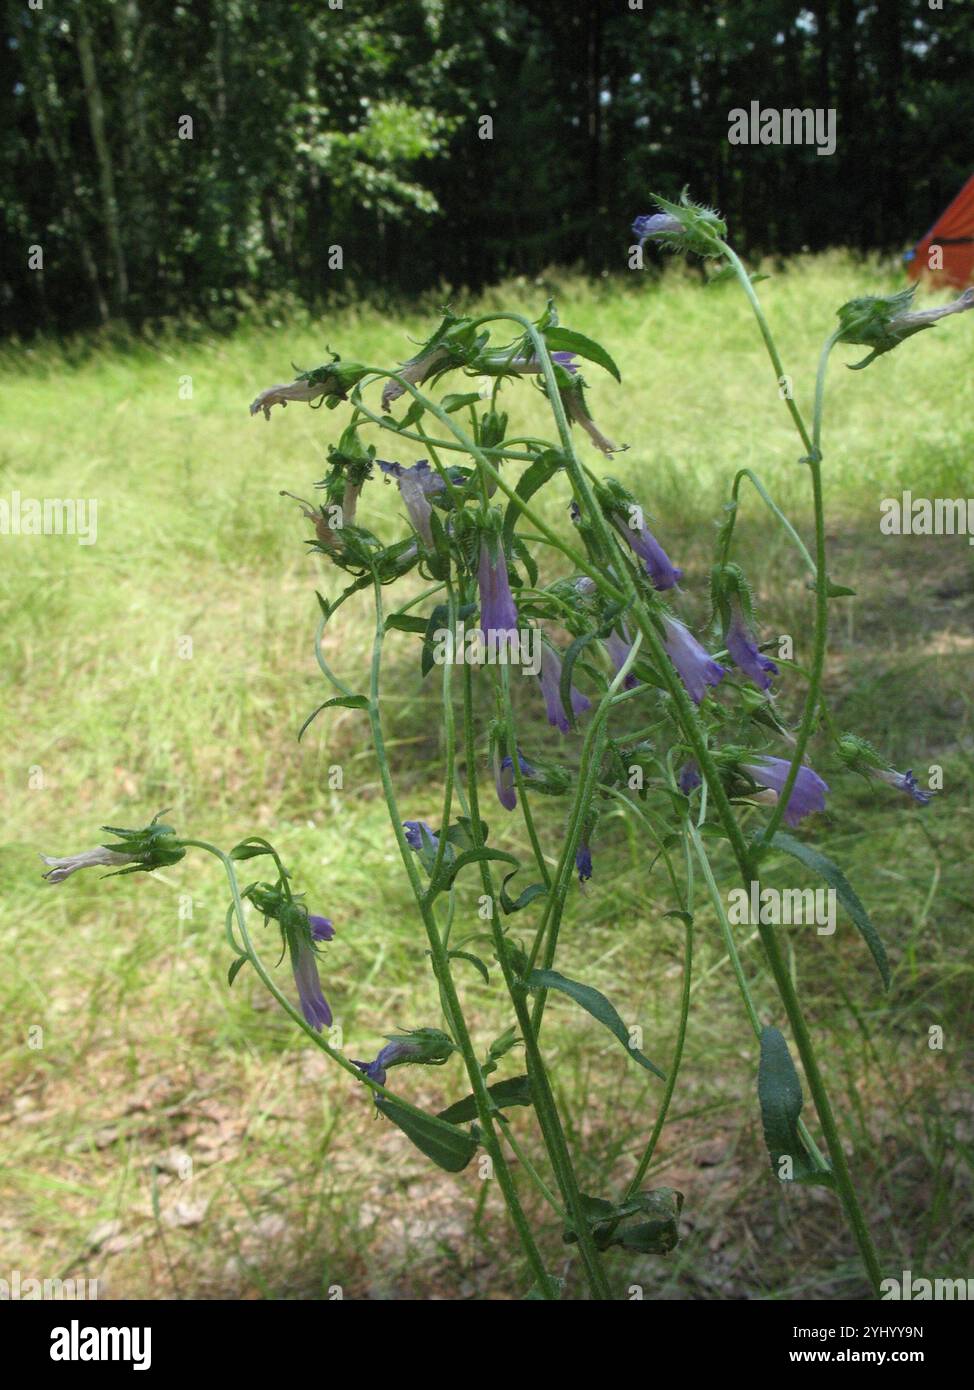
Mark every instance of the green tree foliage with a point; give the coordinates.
(197, 157)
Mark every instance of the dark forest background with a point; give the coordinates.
(359, 127)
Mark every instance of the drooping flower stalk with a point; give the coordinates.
(428, 1046)
(860, 756)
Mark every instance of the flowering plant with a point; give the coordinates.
(680, 729)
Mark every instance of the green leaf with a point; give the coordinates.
(405, 622)
(235, 969)
(469, 856)
(614, 1224)
(457, 402)
(565, 340)
(438, 620)
(535, 476)
(535, 1292)
(685, 917)
(472, 960)
(460, 833)
(597, 1005)
(500, 1047)
(447, 1146)
(515, 1090)
(661, 1232)
(509, 904)
(525, 558)
(833, 590)
(247, 850)
(844, 891)
(346, 701)
(780, 1095)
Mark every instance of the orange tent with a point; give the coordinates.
(947, 251)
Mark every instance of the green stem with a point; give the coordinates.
(267, 979)
(762, 492)
(782, 977)
(690, 723)
(813, 693)
(444, 977)
(529, 1168)
(519, 782)
(544, 1102)
(733, 955)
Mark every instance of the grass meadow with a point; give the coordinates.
(175, 1138)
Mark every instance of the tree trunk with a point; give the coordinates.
(106, 176)
(62, 166)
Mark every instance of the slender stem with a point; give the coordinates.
(441, 968)
(267, 979)
(779, 970)
(532, 1172)
(519, 782)
(681, 1036)
(690, 723)
(762, 492)
(544, 1102)
(748, 288)
(733, 955)
(812, 696)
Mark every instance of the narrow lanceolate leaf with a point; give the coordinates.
(405, 622)
(235, 968)
(780, 1095)
(535, 476)
(447, 1146)
(469, 856)
(342, 701)
(471, 959)
(509, 904)
(844, 891)
(515, 1090)
(595, 1003)
(565, 340)
(457, 402)
(833, 590)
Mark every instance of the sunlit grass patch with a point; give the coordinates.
(169, 665)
